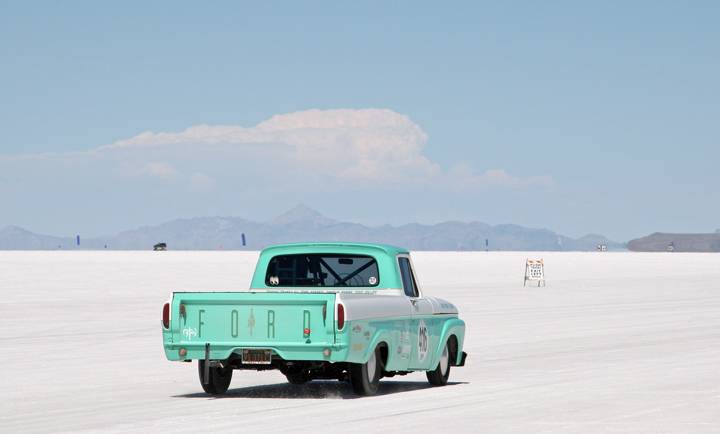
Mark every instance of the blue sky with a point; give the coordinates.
(576, 117)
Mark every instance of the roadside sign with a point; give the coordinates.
(534, 271)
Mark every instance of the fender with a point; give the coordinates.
(451, 327)
(380, 336)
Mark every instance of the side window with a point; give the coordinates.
(407, 278)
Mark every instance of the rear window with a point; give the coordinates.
(322, 270)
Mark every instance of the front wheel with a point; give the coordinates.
(218, 380)
(365, 377)
(439, 376)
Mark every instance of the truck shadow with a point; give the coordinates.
(314, 390)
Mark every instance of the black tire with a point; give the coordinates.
(365, 377)
(439, 376)
(219, 380)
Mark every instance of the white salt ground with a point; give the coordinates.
(616, 343)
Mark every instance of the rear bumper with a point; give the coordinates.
(285, 350)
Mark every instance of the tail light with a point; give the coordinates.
(340, 316)
(166, 315)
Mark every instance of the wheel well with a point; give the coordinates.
(383, 353)
(453, 347)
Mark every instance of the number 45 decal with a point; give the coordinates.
(422, 341)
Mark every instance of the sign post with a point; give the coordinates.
(534, 272)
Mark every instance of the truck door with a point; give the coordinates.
(423, 333)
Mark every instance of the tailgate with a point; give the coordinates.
(247, 319)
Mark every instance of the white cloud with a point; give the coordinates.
(366, 144)
(348, 146)
(363, 129)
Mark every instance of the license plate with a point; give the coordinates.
(256, 357)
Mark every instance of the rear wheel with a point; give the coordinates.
(218, 380)
(439, 376)
(365, 377)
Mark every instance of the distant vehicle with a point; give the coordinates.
(160, 246)
(351, 312)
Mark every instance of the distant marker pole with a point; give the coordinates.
(487, 243)
(77, 240)
(243, 239)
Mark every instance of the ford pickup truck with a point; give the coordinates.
(346, 311)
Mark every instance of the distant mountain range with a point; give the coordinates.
(661, 242)
(304, 224)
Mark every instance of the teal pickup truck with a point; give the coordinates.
(346, 311)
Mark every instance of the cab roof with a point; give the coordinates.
(334, 247)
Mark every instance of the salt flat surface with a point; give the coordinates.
(616, 343)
